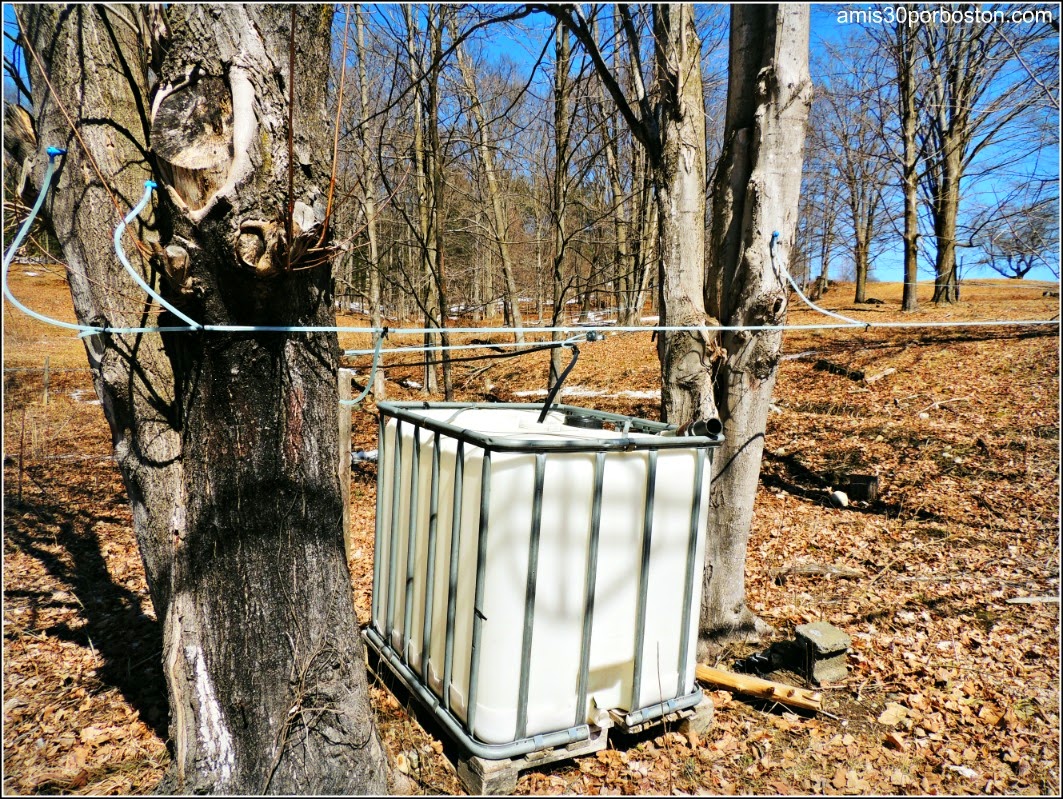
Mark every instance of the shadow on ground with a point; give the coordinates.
(64, 541)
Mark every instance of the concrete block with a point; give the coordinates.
(701, 721)
(825, 651)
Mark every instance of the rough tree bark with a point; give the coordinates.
(756, 194)
(226, 441)
(687, 385)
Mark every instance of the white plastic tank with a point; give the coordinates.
(560, 597)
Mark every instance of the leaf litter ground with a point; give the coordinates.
(942, 582)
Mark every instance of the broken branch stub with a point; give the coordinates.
(192, 134)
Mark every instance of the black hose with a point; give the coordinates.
(514, 354)
(557, 385)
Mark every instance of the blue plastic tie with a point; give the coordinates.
(53, 153)
(149, 186)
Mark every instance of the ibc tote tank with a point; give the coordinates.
(555, 570)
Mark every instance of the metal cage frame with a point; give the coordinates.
(380, 640)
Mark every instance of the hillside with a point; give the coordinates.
(948, 583)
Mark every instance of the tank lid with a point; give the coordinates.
(583, 420)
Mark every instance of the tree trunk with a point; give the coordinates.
(500, 224)
(226, 441)
(368, 182)
(756, 194)
(905, 55)
(946, 210)
(626, 279)
(860, 257)
(686, 389)
(434, 161)
(425, 239)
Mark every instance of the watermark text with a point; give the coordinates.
(913, 15)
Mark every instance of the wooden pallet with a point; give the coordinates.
(480, 776)
(491, 777)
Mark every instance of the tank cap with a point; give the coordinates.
(583, 420)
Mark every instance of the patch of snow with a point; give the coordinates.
(577, 391)
(364, 455)
(78, 395)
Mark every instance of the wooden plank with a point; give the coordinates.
(762, 689)
(876, 377)
(481, 777)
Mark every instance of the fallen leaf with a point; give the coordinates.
(839, 778)
(899, 778)
(94, 736)
(892, 714)
(895, 740)
(990, 715)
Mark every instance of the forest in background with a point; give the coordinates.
(459, 131)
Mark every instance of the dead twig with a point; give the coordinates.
(944, 404)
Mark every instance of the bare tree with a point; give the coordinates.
(226, 441)
(498, 218)
(755, 192)
(853, 121)
(367, 196)
(755, 196)
(979, 97)
(902, 48)
(560, 187)
(1022, 237)
(821, 202)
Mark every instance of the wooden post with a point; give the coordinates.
(344, 414)
(47, 377)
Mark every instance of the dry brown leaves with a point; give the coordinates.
(951, 689)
